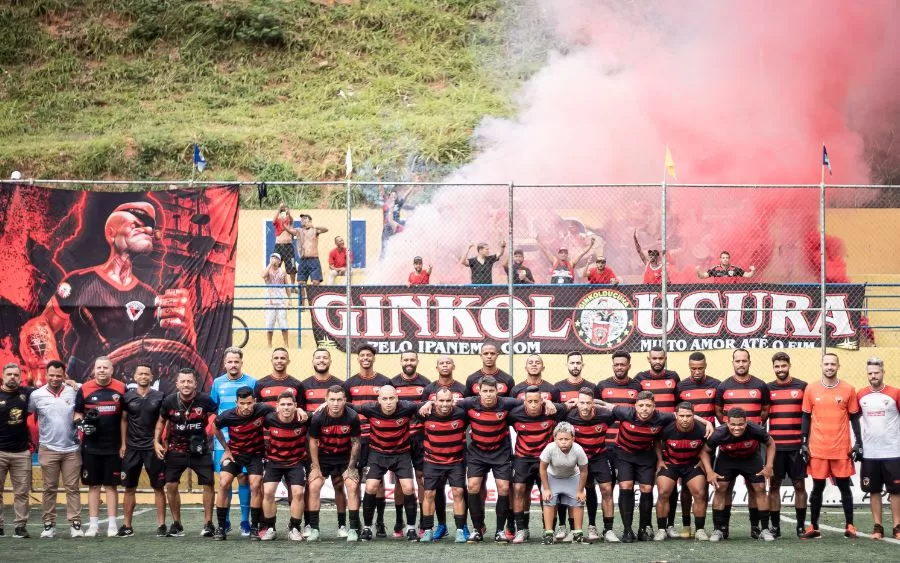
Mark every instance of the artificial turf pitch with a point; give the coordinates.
(145, 546)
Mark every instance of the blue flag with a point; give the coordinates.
(199, 161)
(825, 160)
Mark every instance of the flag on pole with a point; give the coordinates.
(348, 163)
(825, 160)
(670, 163)
(199, 161)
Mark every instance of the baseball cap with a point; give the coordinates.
(275, 255)
(417, 260)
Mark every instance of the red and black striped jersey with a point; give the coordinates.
(488, 426)
(616, 392)
(636, 435)
(662, 386)
(334, 434)
(548, 391)
(445, 437)
(786, 413)
(701, 394)
(740, 447)
(682, 448)
(286, 446)
(504, 383)
(269, 388)
(568, 390)
(245, 433)
(389, 433)
(411, 390)
(456, 388)
(590, 433)
(751, 395)
(533, 433)
(364, 391)
(315, 390)
(106, 401)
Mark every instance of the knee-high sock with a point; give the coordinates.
(440, 506)
(380, 504)
(646, 509)
(626, 507)
(815, 501)
(673, 507)
(843, 485)
(476, 509)
(561, 511)
(502, 510)
(410, 505)
(244, 497)
(368, 509)
(591, 503)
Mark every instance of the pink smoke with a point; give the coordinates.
(741, 92)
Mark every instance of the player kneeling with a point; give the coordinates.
(285, 454)
(564, 474)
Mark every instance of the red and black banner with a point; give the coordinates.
(139, 277)
(564, 318)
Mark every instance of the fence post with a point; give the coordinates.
(509, 271)
(347, 278)
(822, 261)
(665, 266)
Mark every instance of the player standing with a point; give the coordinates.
(616, 390)
(410, 386)
(489, 367)
(285, 456)
(534, 370)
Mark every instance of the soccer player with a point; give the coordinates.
(752, 395)
(534, 370)
(285, 454)
(444, 430)
(244, 450)
(830, 408)
(563, 470)
(534, 425)
(98, 411)
(389, 448)
(15, 439)
(572, 385)
(334, 444)
(785, 418)
(881, 444)
(223, 392)
(269, 388)
(678, 453)
(616, 390)
(140, 411)
(489, 354)
(362, 389)
(739, 442)
(591, 425)
(410, 386)
(183, 419)
(59, 452)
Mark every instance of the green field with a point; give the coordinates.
(145, 546)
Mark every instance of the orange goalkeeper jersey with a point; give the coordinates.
(829, 432)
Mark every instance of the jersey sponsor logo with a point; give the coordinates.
(64, 290)
(134, 310)
(603, 319)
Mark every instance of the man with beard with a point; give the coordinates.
(410, 386)
(419, 275)
(785, 422)
(534, 370)
(489, 367)
(616, 390)
(523, 273)
(570, 387)
(285, 457)
(15, 439)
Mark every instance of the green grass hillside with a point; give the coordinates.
(273, 90)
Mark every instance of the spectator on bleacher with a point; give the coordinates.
(523, 273)
(725, 269)
(420, 275)
(653, 267)
(276, 298)
(337, 260)
(285, 233)
(561, 269)
(391, 207)
(482, 264)
(599, 273)
(310, 267)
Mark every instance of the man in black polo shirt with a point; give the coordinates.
(15, 458)
(482, 263)
(140, 410)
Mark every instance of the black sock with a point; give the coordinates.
(591, 504)
(380, 505)
(815, 501)
(718, 519)
(427, 522)
(342, 518)
(520, 520)
(476, 510)
(801, 518)
(527, 519)
(398, 521)
(221, 516)
(727, 517)
(502, 508)
(510, 519)
(306, 516)
(626, 507)
(354, 519)
(661, 522)
(571, 524)
(686, 510)
(775, 515)
(754, 517)
(314, 519)
(673, 508)
(561, 514)
(459, 520)
(646, 510)
(294, 524)
(764, 519)
(700, 522)
(608, 523)
(440, 506)
(368, 508)
(410, 506)
(843, 485)
(255, 514)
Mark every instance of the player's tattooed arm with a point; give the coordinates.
(352, 473)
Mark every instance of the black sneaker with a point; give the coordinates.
(476, 537)
(2, 533)
(548, 537)
(800, 531)
(254, 534)
(380, 530)
(161, 531)
(125, 532)
(366, 534)
(645, 534)
(725, 533)
(776, 531)
(411, 535)
(175, 530)
(21, 533)
(628, 536)
(578, 536)
(209, 531)
(754, 532)
(219, 535)
(500, 537)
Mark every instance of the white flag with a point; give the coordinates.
(348, 163)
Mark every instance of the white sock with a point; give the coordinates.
(94, 521)
(112, 523)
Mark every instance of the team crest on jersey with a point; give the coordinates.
(748, 444)
(631, 393)
(545, 425)
(694, 443)
(401, 421)
(258, 422)
(795, 394)
(599, 428)
(500, 415)
(710, 392)
(198, 411)
(64, 290)
(838, 399)
(345, 429)
(669, 383)
(115, 397)
(134, 310)
(603, 319)
(454, 425)
(377, 421)
(753, 393)
(654, 429)
(865, 482)
(298, 431)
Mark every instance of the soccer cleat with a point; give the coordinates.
(560, 533)
(660, 535)
(509, 534)
(295, 535)
(398, 534)
(75, 530)
(476, 537)
(245, 529)
(220, 535)
(112, 532)
(366, 534)
(578, 536)
(380, 530)
(428, 536)
(92, 532)
(465, 530)
(440, 532)
(628, 536)
(412, 535)
(500, 537)
(592, 534)
(520, 537)
(850, 532)
(352, 535)
(2, 532)
(161, 531)
(341, 533)
(568, 538)
(175, 530)
(254, 534)
(460, 536)
(645, 534)
(549, 538)
(877, 532)
(20, 532)
(700, 535)
(49, 531)
(610, 537)
(672, 533)
(125, 531)
(270, 534)
(307, 529)
(716, 535)
(208, 530)
(800, 531)
(686, 533)
(776, 531)
(754, 532)
(725, 533)
(314, 535)
(766, 535)
(811, 534)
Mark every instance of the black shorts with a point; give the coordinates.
(309, 269)
(177, 463)
(436, 475)
(134, 461)
(498, 462)
(612, 454)
(252, 463)
(640, 467)
(730, 468)
(101, 469)
(598, 469)
(380, 464)
(683, 472)
(876, 474)
(293, 476)
(363, 454)
(788, 463)
(526, 470)
(333, 466)
(417, 451)
(286, 251)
